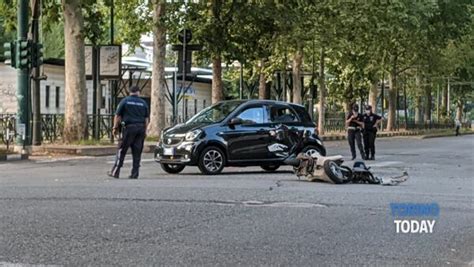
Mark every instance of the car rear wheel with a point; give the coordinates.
(270, 168)
(172, 168)
(211, 161)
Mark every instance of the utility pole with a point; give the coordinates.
(241, 80)
(382, 98)
(448, 100)
(22, 120)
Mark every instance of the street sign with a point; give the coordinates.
(88, 59)
(110, 61)
(21, 128)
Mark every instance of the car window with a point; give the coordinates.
(303, 114)
(282, 114)
(252, 115)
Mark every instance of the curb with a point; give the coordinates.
(379, 135)
(85, 151)
(13, 157)
(443, 135)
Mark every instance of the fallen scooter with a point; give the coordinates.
(330, 168)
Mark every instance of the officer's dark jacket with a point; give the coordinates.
(133, 109)
(358, 118)
(370, 120)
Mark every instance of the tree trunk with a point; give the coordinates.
(373, 96)
(322, 93)
(75, 115)
(296, 69)
(285, 88)
(418, 110)
(459, 109)
(158, 96)
(262, 82)
(217, 85)
(444, 103)
(392, 100)
(427, 107)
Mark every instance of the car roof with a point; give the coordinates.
(263, 101)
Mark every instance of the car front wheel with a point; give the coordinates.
(172, 168)
(211, 161)
(312, 151)
(270, 168)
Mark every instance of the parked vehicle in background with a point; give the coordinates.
(235, 133)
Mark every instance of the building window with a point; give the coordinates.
(46, 97)
(195, 106)
(204, 103)
(57, 96)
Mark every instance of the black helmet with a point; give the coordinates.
(355, 107)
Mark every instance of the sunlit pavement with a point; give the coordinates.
(65, 211)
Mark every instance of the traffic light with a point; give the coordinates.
(24, 54)
(37, 55)
(9, 54)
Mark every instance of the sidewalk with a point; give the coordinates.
(105, 150)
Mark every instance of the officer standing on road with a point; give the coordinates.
(355, 124)
(371, 121)
(133, 113)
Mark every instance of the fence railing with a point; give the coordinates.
(7, 129)
(52, 126)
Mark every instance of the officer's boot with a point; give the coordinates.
(115, 172)
(134, 174)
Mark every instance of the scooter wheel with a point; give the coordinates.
(347, 172)
(334, 172)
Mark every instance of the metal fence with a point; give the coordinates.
(52, 126)
(7, 129)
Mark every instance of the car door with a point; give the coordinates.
(248, 141)
(282, 114)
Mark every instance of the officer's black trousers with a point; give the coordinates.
(369, 143)
(133, 136)
(354, 136)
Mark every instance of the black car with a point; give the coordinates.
(235, 133)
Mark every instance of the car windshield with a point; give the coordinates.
(215, 113)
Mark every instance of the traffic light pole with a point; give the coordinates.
(23, 78)
(36, 78)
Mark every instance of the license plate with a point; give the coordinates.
(168, 151)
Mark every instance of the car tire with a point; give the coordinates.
(270, 168)
(332, 170)
(308, 150)
(172, 168)
(211, 161)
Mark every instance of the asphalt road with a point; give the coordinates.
(67, 212)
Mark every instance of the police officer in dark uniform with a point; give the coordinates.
(371, 121)
(355, 124)
(133, 113)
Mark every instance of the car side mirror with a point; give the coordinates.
(235, 121)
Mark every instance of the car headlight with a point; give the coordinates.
(193, 135)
